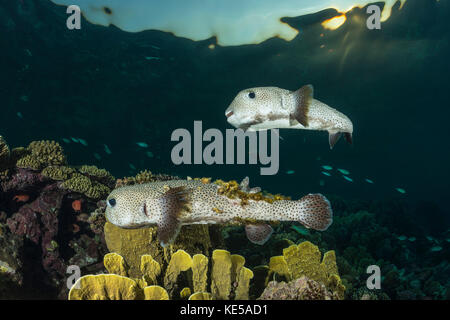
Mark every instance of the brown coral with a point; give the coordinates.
(299, 289)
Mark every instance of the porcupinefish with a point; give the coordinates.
(265, 108)
(171, 204)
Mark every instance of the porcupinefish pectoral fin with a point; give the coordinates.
(302, 98)
(171, 204)
(315, 212)
(333, 138)
(258, 233)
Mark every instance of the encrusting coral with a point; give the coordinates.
(302, 288)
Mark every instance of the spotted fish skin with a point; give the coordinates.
(171, 204)
(265, 108)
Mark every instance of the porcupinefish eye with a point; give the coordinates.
(112, 202)
(251, 95)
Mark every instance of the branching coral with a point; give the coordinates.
(143, 177)
(42, 154)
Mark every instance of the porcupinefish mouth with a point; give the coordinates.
(229, 114)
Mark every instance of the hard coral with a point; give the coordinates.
(299, 289)
(305, 260)
(233, 283)
(41, 154)
(4, 154)
(133, 243)
(143, 177)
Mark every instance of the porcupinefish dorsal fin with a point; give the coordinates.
(302, 100)
(258, 233)
(245, 186)
(172, 203)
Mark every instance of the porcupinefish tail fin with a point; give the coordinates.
(170, 206)
(258, 233)
(315, 212)
(303, 98)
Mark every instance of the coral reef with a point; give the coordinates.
(302, 288)
(305, 260)
(52, 216)
(133, 243)
(228, 279)
(42, 233)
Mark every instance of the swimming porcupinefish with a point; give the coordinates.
(171, 204)
(271, 107)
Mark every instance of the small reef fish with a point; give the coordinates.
(271, 107)
(83, 142)
(348, 178)
(325, 173)
(369, 181)
(290, 172)
(107, 150)
(21, 198)
(327, 168)
(171, 204)
(343, 171)
(400, 190)
(142, 144)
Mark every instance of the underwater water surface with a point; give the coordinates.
(112, 99)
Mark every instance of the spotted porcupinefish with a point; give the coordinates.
(171, 204)
(265, 108)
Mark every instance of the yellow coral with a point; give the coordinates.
(155, 293)
(41, 154)
(115, 264)
(133, 243)
(237, 262)
(199, 272)
(185, 293)
(305, 260)
(104, 287)
(82, 184)
(201, 296)
(58, 173)
(98, 174)
(221, 274)
(150, 269)
(233, 190)
(181, 261)
(243, 284)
